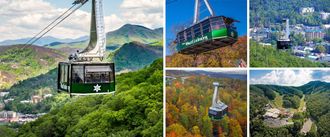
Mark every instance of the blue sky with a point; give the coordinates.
(182, 11)
(24, 18)
(288, 77)
(114, 4)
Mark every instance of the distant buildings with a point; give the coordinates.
(260, 34)
(47, 96)
(2, 94)
(325, 15)
(312, 33)
(326, 26)
(307, 10)
(11, 116)
(8, 116)
(327, 47)
(26, 101)
(272, 113)
(8, 100)
(36, 99)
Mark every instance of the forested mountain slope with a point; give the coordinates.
(316, 96)
(136, 109)
(187, 106)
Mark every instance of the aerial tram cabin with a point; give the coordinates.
(218, 109)
(82, 75)
(209, 34)
(284, 42)
(77, 78)
(217, 113)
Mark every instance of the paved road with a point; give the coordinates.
(307, 126)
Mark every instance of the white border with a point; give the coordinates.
(247, 69)
(164, 68)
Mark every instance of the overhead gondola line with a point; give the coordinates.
(49, 24)
(45, 31)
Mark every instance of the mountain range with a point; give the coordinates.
(308, 88)
(309, 101)
(42, 41)
(125, 34)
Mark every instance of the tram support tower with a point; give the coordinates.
(284, 41)
(97, 40)
(218, 108)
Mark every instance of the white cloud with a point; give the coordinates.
(285, 77)
(143, 4)
(24, 18)
(144, 12)
(325, 78)
(113, 22)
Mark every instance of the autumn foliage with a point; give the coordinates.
(229, 56)
(187, 108)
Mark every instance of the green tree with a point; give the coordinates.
(320, 49)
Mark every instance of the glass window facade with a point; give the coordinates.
(78, 74)
(63, 77)
(98, 74)
(200, 29)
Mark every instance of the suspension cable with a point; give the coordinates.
(35, 36)
(27, 44)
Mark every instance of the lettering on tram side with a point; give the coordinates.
(195, 41)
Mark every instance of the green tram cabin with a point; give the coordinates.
(81, 78)
(284, 44)
(217, 113)
(211, 33)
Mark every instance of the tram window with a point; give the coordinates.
(64, 73)
(197, 30)
(184, 36)
(77, 74)
(222, 23)
(63, 77)
(217, 23)
(97, 74)
(189, 37)
(206, 28)
(180, 36)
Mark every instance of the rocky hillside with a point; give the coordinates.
(17, 64)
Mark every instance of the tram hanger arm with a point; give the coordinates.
(229, 20)
(79, 2)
